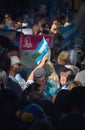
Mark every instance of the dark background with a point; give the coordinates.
(19, 6)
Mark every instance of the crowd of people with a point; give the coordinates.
(51, 95)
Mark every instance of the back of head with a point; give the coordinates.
(78, 98)
(48, 69)
(29, 114)
(74, 84)
(63, 56)
(5, 41)
(5, 63)
(42, 124)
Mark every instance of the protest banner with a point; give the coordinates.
(28, 47)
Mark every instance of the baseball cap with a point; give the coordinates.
(39, 74)
(74, 68)
(15, 60)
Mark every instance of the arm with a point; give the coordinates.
(39, 66)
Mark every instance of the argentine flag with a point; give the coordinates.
(43, 49)
(69, 32)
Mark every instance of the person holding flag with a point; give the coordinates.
(39, 74)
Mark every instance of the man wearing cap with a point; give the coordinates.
(14, 85)
(39, 76)
(15, 63)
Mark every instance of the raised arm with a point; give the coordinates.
(45, 58)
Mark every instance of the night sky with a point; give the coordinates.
(21, 4)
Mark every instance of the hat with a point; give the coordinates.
(30, 113)
(74, 68)
(39, 73)
(64, 55)
(15, 60)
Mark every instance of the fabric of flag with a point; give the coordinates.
(69, 32)
(43, 49)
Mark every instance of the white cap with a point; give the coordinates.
(15, 60)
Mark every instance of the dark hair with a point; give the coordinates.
(34, 87)
(5, 41)
(42, 124)
(78, 97)
(5, 63)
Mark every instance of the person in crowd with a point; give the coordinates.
(8, 21)
(42, 124)
(61, 106)
(74, 84)
(14, 84)
(80, 76)
(5, 64)
(76, 52)
(32, 93)
(28, 114)
(35, 29)
(82, 61)
(62, 59)
(55, 28)
(40, 76)
(75, 118)
(66, 77)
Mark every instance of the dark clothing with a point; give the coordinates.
(59, 68)
(15, 87)
(71, 122)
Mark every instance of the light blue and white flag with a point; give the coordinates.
(69, 32)
(43, 49)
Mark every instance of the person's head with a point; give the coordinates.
(74, 68)
(32, 91)
(18, 24)
(7, 17)
(12, 51)
(5, 41)
(78, 99)
(42, 124)
(15, 64)
(63, 58)
(74, 84)
(35, 29)
(40, 77)
(61, 104)
(64, 76)
(5, 63)
(29, 114)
